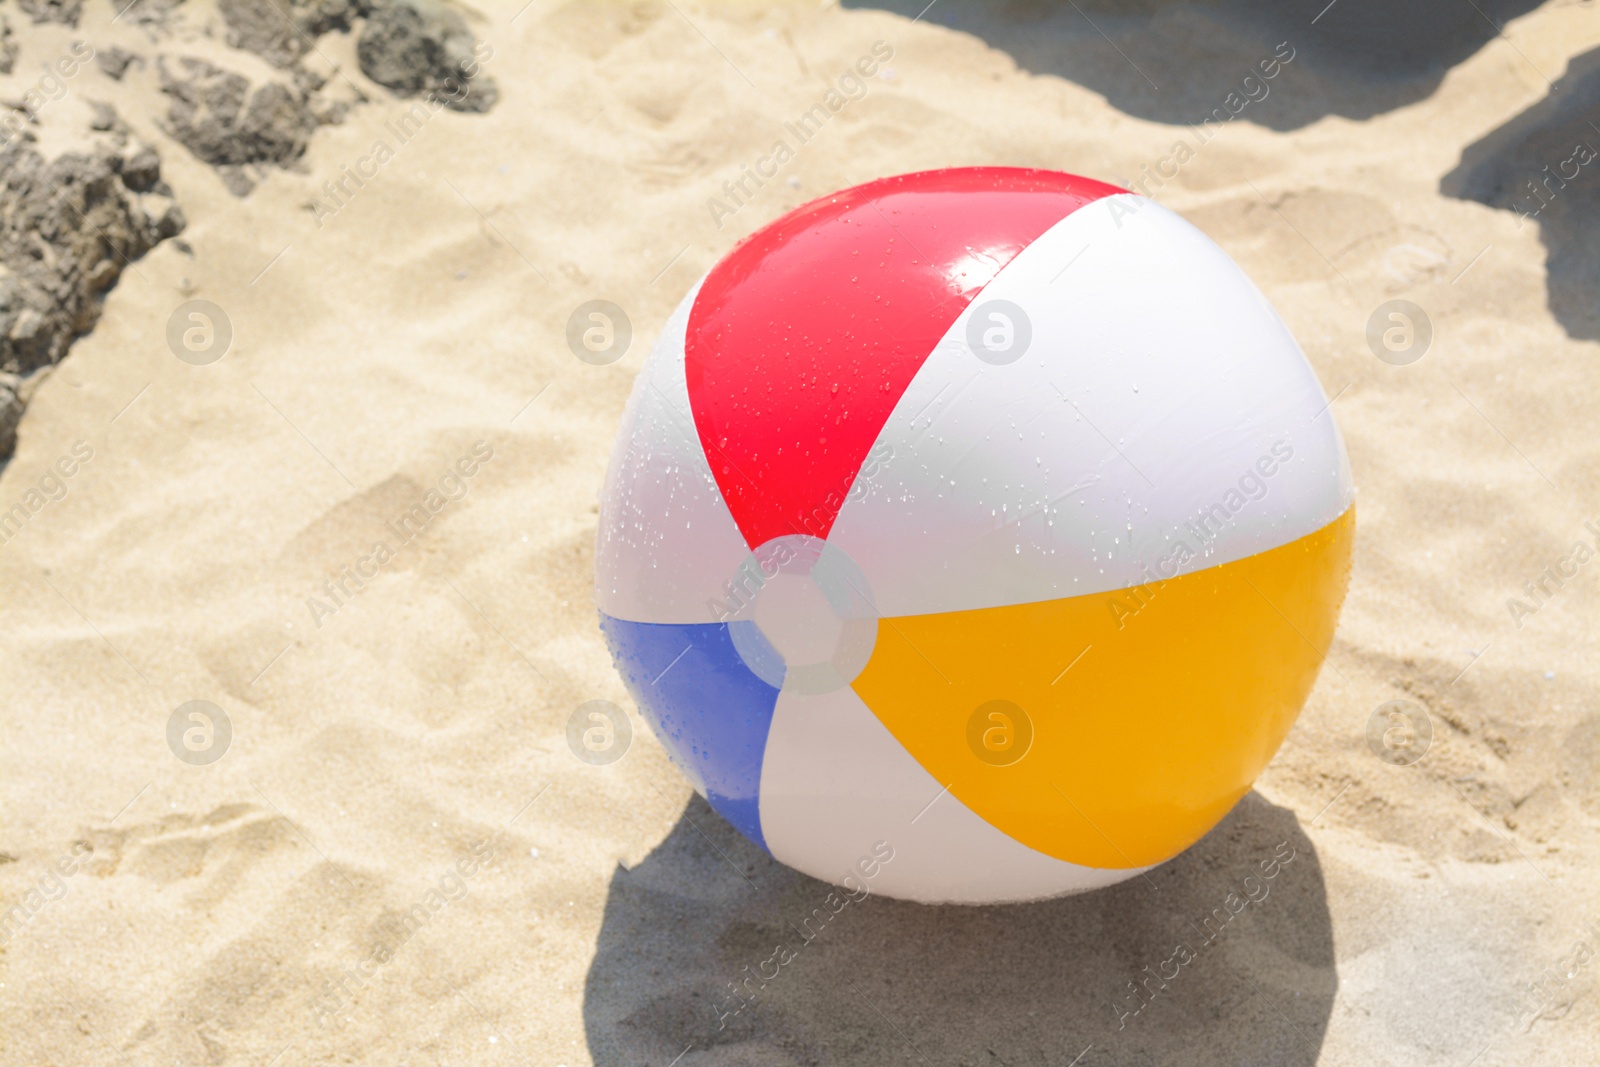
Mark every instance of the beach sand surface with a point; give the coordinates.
(409, 746)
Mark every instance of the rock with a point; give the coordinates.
(65, 12)
(216, 116)
(141, 169)
(8, 47)
(10, 414)
(282, 31)
(114, 61)
(151, 14)
(68, 227)
(105, 119)
(418, 46)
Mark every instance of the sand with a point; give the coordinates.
(409, 748)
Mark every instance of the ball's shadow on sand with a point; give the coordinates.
(1175, 61)
(1530, 166)
(883, 981)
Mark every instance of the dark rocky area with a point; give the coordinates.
(216, 115)
(419, 46)
(115, 61)
(151, 15)
(282, 31)
(65, 12)
(411, 47)
(8, 47)
(68, 228)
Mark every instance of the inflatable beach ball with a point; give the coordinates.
(974, 535)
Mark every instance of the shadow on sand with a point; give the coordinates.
(1173, 62)
(1178, 62)
(883, 981)
(1544, 165)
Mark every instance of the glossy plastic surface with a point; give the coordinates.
(1133, 535)
(804, 337)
